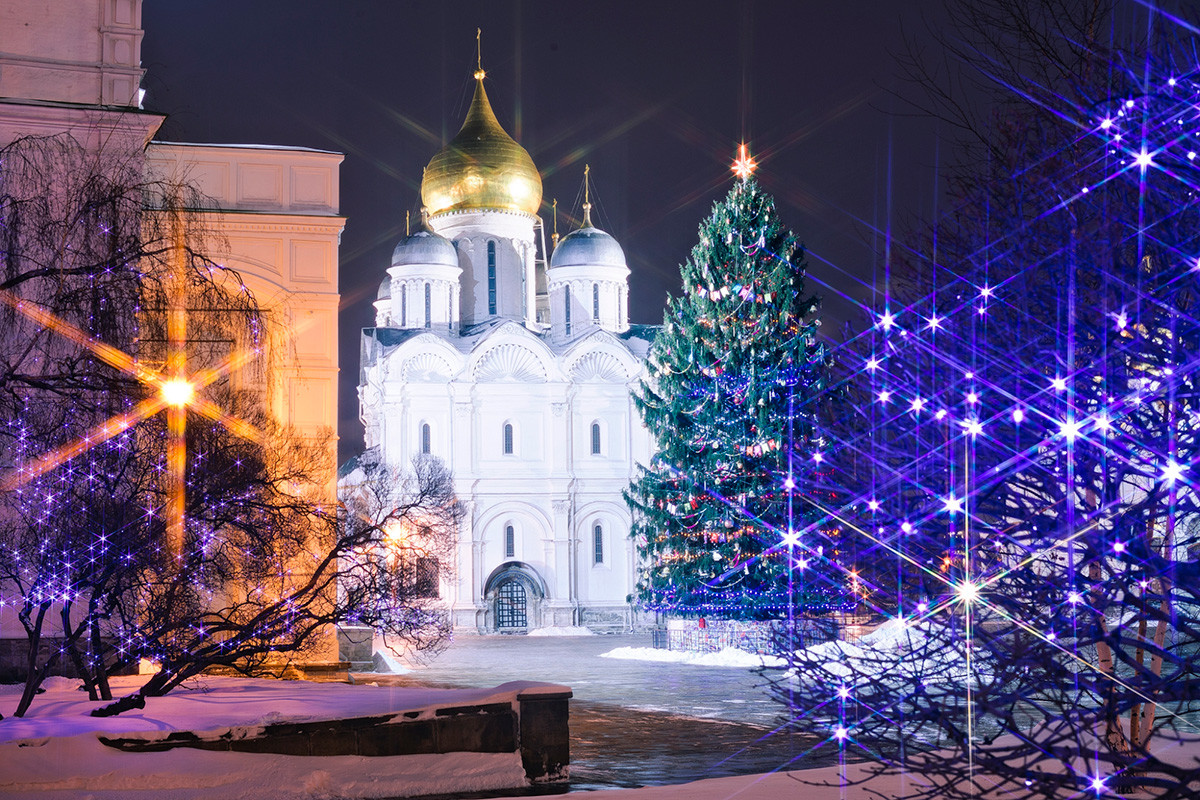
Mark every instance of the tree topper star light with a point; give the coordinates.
(744, 165)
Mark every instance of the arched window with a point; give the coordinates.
(491, 255)
(595, 438)
(597, 544)
(510, 542)
(403, 306)
(425, 437)
(567, 303)
(508, 439)
(595, 302)
(428, 306)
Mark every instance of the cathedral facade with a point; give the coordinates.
(518, 374)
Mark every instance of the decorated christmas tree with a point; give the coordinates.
(725, 511)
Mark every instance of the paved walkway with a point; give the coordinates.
(633, 723)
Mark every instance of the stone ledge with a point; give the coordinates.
(536, 726)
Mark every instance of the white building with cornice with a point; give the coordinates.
(519, 376)
(74, 67)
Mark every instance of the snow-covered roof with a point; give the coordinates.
(216, 145)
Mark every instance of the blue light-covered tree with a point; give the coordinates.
(1029, 437)
(731, 399)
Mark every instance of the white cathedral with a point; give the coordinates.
(519, 376)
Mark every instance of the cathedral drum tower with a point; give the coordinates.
(519, 378)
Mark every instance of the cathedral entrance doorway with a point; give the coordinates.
(514, 593)
(510, 605)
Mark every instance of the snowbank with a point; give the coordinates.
(80, 766)
(214, 703)
(562, 631)
(728, 657)
(55, 751)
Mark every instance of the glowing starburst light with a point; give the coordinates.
(967, 592)
(744, 165)
(1144, 159)
(1172, 472)
(1069, 429)
(887, 320)
(172, 392)
(177, 392)
(952, 504)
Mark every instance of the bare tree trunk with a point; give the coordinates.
(34, 676)
(1114, 732)
(97, 651)
(1139, 657)
(1160, 637)
(69, 642)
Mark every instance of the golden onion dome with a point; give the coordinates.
(481, 167)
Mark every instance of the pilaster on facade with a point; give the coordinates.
(90, 55)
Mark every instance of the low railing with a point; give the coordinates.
(710, 636)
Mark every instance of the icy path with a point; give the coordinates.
(724, 691)
(636, 722)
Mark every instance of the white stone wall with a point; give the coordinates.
(284, 243)
(84, 52)
(608, 285)
(551, 489)
(513, 235)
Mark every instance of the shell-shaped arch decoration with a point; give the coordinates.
(426, 368)
(510, 363)
(599, 367)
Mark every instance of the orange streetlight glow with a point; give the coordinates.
(177, 392)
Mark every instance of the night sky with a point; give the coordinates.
(654, 96)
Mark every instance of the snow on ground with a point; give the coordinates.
(55, 751)
(728, 657)
(213, 703)
(574, 630)
(79, 767)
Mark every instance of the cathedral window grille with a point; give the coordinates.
(428, 306)
(595, 302)
(508, 439)
(595, 438)
(425, 437)
(567, 303)
(598, 545)
(510, 542)
(425, 577)
(491, 255)
(404, 306)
